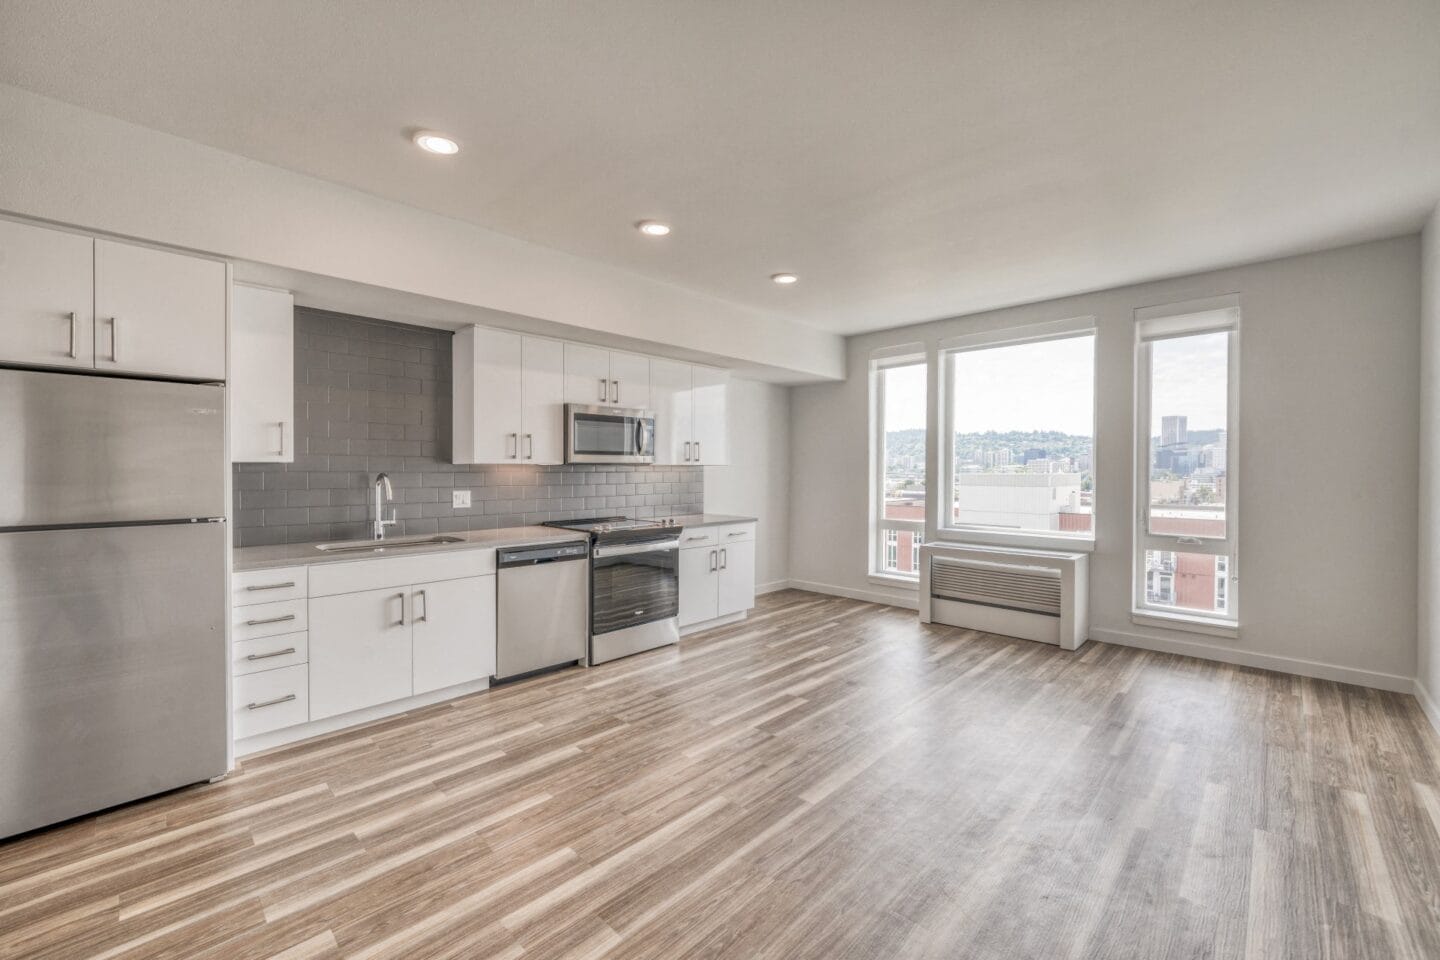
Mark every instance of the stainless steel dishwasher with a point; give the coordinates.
(542, 607)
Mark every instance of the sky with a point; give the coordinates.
(1050, 386)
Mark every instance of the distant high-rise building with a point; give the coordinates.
(1173, 430)
(1036, 453)
(1002, 458)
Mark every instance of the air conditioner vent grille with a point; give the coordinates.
(1011, 586)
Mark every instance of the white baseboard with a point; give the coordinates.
(774, 586)
(869, 596)
(1265, 661)
(1428, 704)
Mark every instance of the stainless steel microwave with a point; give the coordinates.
(598, 433)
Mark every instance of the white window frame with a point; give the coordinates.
(945, 529)
(1191, 318)
(905, 355)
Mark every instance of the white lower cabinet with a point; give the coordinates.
(699, 585)
(370, 633)
(359, 650)
(737, 577)
(717, 573)
(271, 700)
(453, 632)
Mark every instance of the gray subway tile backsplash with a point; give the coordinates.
(374, 396)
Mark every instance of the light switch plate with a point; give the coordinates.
(459, 498)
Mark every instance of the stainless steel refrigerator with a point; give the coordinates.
(112, 592)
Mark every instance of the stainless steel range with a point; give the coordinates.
(634, 584)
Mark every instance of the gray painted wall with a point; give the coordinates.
(1428, 668)
(373, 396)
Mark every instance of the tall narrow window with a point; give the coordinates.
(1021, 435)
(898, 508)
(1185, 549)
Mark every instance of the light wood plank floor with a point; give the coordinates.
(828, 779)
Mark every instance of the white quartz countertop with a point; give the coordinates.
(291, 554)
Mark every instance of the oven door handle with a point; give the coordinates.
(625, 549)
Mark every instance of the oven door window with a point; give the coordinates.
(634, 589)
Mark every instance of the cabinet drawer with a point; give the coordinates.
(267, 586)
(269, 653)
(399, 571)
(697, 537)
(271, 699)
(734, 533)
(268, 619)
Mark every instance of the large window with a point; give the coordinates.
(1022, 433)
(1185, 549)
(898, 508)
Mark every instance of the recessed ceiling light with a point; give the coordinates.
(653, 228)
(432, 142)
(784, 279)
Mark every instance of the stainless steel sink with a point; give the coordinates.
(375, 546)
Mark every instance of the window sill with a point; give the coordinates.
(1025, 541)
(894, 580)
(1174, 621)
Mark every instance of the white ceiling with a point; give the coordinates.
(907, 160)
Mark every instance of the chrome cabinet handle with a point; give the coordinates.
(72, 336)
(424, 617)
(114, 339)
(401, 622)
(714, 560)
(257, 623)
(515, 439)
(266, 656)
(697, 451)
(616, 391)
(529, 446)
(272, 586)
(698, 536)
(724, 559)
(270, 703)
(281, 425)
(687, 451)
(604, 386)
(1190, 540)
(735, 534)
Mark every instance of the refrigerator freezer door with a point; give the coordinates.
(112, 667)
(78, 449)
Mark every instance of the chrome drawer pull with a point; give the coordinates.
(266, 656)
(273, 586)
(73, 355)
(740, 534)
(700, 537)
(270, 703)
(258, 623)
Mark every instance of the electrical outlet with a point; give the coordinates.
(459, 498)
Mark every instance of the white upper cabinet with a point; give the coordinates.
(594, 375)
(670, 398)
(629, 380)
(510, 392)
(509, 398)
(47, 296)
(542, 390)
(711, 399)
(488, 409)
(587, 374)
(159, 313)
(262, 375)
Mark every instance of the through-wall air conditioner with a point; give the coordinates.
(1031, 594)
